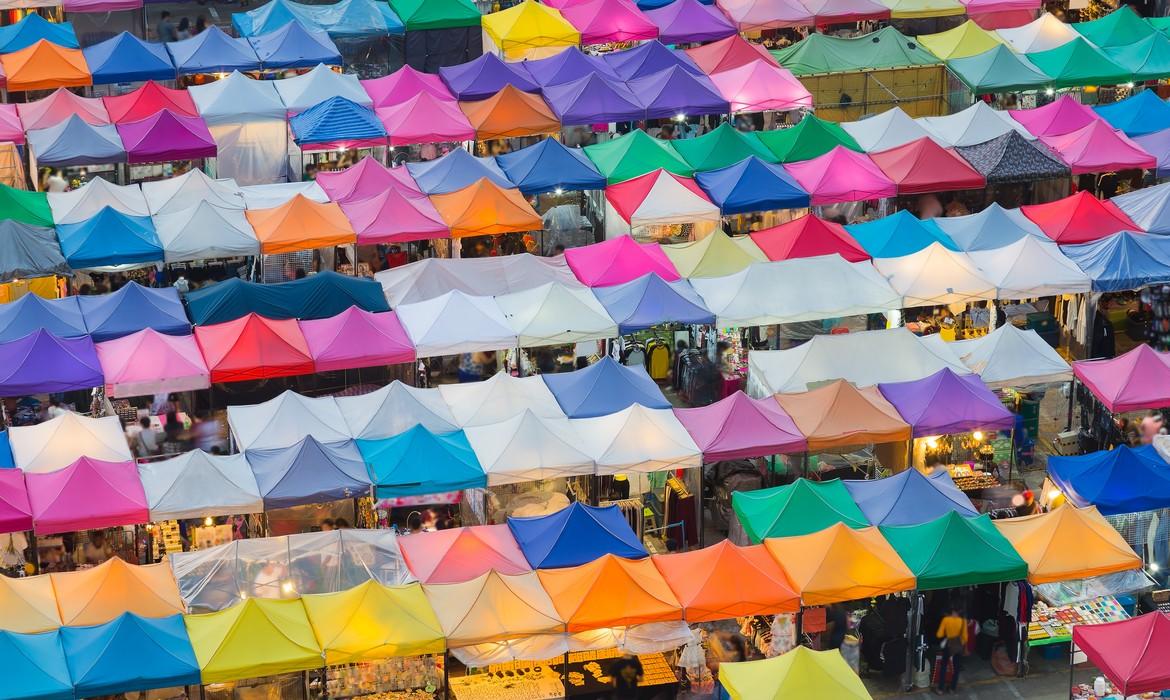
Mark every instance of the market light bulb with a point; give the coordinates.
(1050, 92)
(287, 587)
(932, 442)
(1154, 566)
(1129, 85)
(207, 522)
(978, 435)
(680, 117)
(1053, 494)
(558, 191)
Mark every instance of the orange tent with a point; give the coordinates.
(610, 592)
(841, 415)
(29, 605)
(300, 224)
(98, 595)
(839, 564)
(1068, 543)
(726, 580)
(45, 66)
(510, 112)
(483, 208)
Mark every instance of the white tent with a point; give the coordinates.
(274, 195)
(665, 203)
(196, 485)
(1030, 268)
(554, 314)
(890, 129)
(976, 124)
(993, 227)
(247, 121)
(174, 194)
(237, 98)
(493, 607)
(61, 441)
(89, 199)
(492, 276)
(714, 255)
(498, 399)
(638, 439)
(1148, 207)
(205, 231)
(800, 289)
(527, 447)
(285, 420)
(301, 92)
(1041, 34)
(934, 276)
(394, 409)
(865, 359)
(1010, 357)
(456, 323)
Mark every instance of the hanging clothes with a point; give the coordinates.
(658, 359)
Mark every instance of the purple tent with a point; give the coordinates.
(593, 99)
(945, 403)
(1157, 144)
(677, 91)
(43, 363)
(484, 77)
(164, 136)
(685, 21)
(567, 66)
(647, 58)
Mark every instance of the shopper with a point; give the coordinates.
(627, 675)
(952, 630)
(723, 647)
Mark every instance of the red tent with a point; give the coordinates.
(1131, 382)
(1078, 218)
(725, 54)
(924, 166)
(1132, 653)
(808, 237)
(147, 101)
(254, 347)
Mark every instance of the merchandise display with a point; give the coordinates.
(1053, 624)
(403, 678)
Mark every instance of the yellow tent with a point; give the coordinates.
(254, 638)
(1068, 543)
(528, 30)
(98, 595)
(29, 605)
(914, 9)
(967, 39)
(801, 673)
(715, 255)
(493, 607)
(372, 621)
(839, 564)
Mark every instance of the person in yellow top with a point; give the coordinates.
(952, 630)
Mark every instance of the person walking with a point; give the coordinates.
(952, 630)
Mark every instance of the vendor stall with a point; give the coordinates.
(796, 509)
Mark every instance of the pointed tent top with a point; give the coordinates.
(726, 54)
(1061, 116)
(454, 171)
(334, 122)
(584, 594)
(923, 166)
(508, 113)
(1148, 207)
(883, 49)
(256, 636)
(575, 535)
(1013, 158)
(1078, 63)
(650, 300)
(1097, 147)
(173, 486)
(254, 347)
(45, 66)
(1043, 33)
(75, 142)
(823, 565)
(529, 27)
(676, 90)
(1105, 479)
(910, 498)
(973, 125)
(969, 405)
(752, 185)
(721, 147)
(800, 671)
(648, 58)
(425, 118)
(294, 46)
(110, 238)
(628, 197)
(548, 166)
(436, 14)
(300, 224)
(1118, 28)
(591, 97)
(756, 15)
(839, 414)
(890, 129)
(484, 76)
(167, 136)
(127, 58)
(617, 261)
(898, 234)
(365, 179)
(1009, 357)
(567, 66)
(727, 580)
(1147, 59)
(808, 237)
(634, 154)
(88, 494)
(966, 40)
(604, 387)
(1129, 652)
(148, 100)
(799, 508)
(33, 28)
(1068, 543)
(992, 228)
(301, 92)
(1132, 381)
(394, 409)
(810, 138)
(281, 421)
(1139, 114)
(760, 86)
(499, 398)
(130, 653)
(955, 550)
(1078, 218)
(463, 553)
(738, 426)
(213, 51)
(373, 621)
(237, 98)
(403, 84)
(396, 463)
(689, 21)
(133, 308)
(30, 604)
(486, 208)
(59, 106)
(309, 471)
(999, 69)
(605, 21)
(454, 323)
(357, 338)
(841, 175)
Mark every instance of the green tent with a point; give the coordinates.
(723, 146)
(1078, 63)
(953, 551)
(1162, 24)
(881, 50)
(799, 508)
(436, 14)
(634, 154)
(811, 137)
(1148, 59)
(998, 70)
(25, 207)
(1118, 28)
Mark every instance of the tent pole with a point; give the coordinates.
(699, 500)
(1072, 655)
(446, 674)
(1072, 397)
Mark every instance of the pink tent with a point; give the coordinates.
(463, 553)
(1060, 116)
(10, 126)
(149, 362)
(725, 54)
(357, 338)
(15, 511)
(759, 86)
(838, 11)
(1137, 380)
(1006, 19)
(842, 175)
(754, 15)
(59, 106)
(1099, 148)
(738, 427)
(394, 217)
(425, 118)
(603, 21)
(148, 100)
(100, 5)
(403, 84)
(617, 261)
(87, 495)
(366, 179)
(166, 136)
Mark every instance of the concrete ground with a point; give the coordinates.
(1047, 680)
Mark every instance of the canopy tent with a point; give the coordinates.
(890, 129)
(237, 98)
(91, 198)
(649, 301)
(1133, 381)
(840, 415)
(923, 166)
(509, 113)
(810, 138)
(1013, 158)
(188, 190)
(689, 21)
(967, 39)
(528, 447)
(499, 398)
(15, 511)
(31, 312)
(1009, 357)
(57, 442)
(357, 338)
(1031, 267)
(617, 261)
(1068, 543)
(59, 106)
(1146, 59)
(909, 498)
(37, 665)
(75, 142)
(839, 564)
(584, 594)
(197, 484)
(493, 607)
(461, 554)
(1078, 218)
(715, 255)
(371, 621)
(88, 494)
(556, 314)
(253, 347)
(725, 581)
(278, 193)
(204, 231)
(592, 97)
(43, 363)
(841, 175)
(32, 28)
(482, 77)
(44, 66)
(454, 323)
(425, 118)
(604, 387)
(757, 15)
(337, 123)
(1061, 116)
(255, 637)
(1148, 207)
(10, 127)
(30, 605)
(992, 228)
(1119, 27)
(799, 508)
(996, 70)
(491, 276)
(636, 153)
(648, 58)
(977, 124)
(899, 234)
(129, 653)
(799, 673)
(485, 208)
(751, 185)
(24, 207)
(566, 66)
(1128, 652)
(300, 224)
(945, 403)
(738, 427)
(148, 362)
(935, 276)
(827, 12)
(110, 239)
(1157, 145)
(403, 84)
(320, 295)
(29, 251)
(658, 198)
(1137, 115)
(761, 86)
(529, 30)
(638, 439)
(426, 14)
(149, 100)
(302, 91)
(918, 9)
(1078, 63)
(347, 19)
(133, 308)
(396, 463)
(294, 46)
(955, 550)
(549, 166)
(366, 179)
(575, 535)
(723, 146)
(1118, 481)
(309, 471)
(1122, 261)
(281, 421)
(213, 51)
(454, 171)
(808, 237)
(1097, 147)
(607, 21)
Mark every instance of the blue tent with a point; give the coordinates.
(28, 250)
(294, 46)
(575, 535)
(1123, 261)
(77, 142)
(650, 300)
(109, 238)
(549, 166)
(648, 58)
(271, 16)
(909, 498)
(309, 472)
(31, 29)
(124, 58)
(593, 98)
(348, 18)
(602, 388)
(456, 170)
(394, 24)
(1148, 207)
(1140, 114)
(6, 460)
(133, 308)
(129, 654)
(1117, 481)
(321, 295)
(212, 51)
(675, 91)
(898, 234)
(336, 120)
(752, 184)
(420, 462)
(34, 667)
(566, 66)
(30, 313)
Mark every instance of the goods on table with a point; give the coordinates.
(1053, 624)
(968, 479)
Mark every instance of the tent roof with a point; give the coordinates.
(839, 564)
(301, 92)
(277, 193)
(371, 621)
(483, 77)
(945, 403)
(841, 175)
(33, 28)
(130, 653)
(88, 494)
(998, 69)
(43, 363)
(148, 362)
(1118, 28)
(148, 100)
(253, 347)
(255, 637)
(133, 308)
(300, 224)
(604, 387)
(396, 464)
(549, 165)
(320, 295)
(605, 21)
(509, 113)
(91, 198)
(1078, 63)
(59, 106)
(795, 509)
(425, 118)
(25, 207)
(556, 314)
(366, 179)
(44, 66)
(584, 594)
(808, 236)
(1009, 356)
(526, 26)
(650, 300)
(205, 231)
(726, 580)
(722, 146)
(1147, 59)
(347, 19)
(1078, 218)
(752, 185)
(190, 189)
(334, 123)
(1013, 158)
(591, 97)
(1109, 479)
(464, 553)
(309, 471)
(1142, 113)
(196, 484)
(566, 66)
(236, 99)
(923, 166)
(454, 323)
(801, 672)
(15, 511)
(281, 421)
(110, 238)
(37, 666)
(648, 58)
(992, 228)
(899, 234)
(638, 439)
(485, 208)
(1132, 381)
(689, 21)
(125, 58)
(1068, 543)
(575, 535)
(952, 551)
(935, 276)
(30, 605)
(1097, 147)
(436, 14)
(1129, 652)
(715, 255)
(727, 54)
(57, 442)
(491, 276)
(213, 51)
(527, 447)
(760, 86)
(1061, 116)
(494, 607)
(1148, 207)
(61, 317)
(909, 498)
(1122, 261)
(881, 50)
(74, 142)
(499, 398)
(976, 124)
(619, 260)
(403, 84)
(357, 338)
(454, 171)
(756, 15)
(840, 415)
(890, 129)
(660, 197)
(738, 426)
(967, 39)
(29, 251)
(1043, 33)
(1030, 267)
(393, 409)
(634, 154)
(294, 46)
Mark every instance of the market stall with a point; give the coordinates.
(575, 536)
(841, 175)
(909, 498)
(149, 362)
(817, 673)
(1128, 652)
(197, 484)
(393, 409)
(393, 463)
(617, 261)
(58, 442)
(1058, 545)
(638, 208)
(253, 347)
(839, 564)
(799, 508)
(462, 554)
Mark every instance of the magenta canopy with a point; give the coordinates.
(945, 403)
(10, 126)
(403, 84)
(366, 179)
(100, 5)
(1098, 148)
(1061, 116)
(605, 21)
(1137, 380)
(1132, 653)
(149, 362)
(89, 494)
(15, 511)
(425, 118)
(738, 427)
(617, 261)
(166, 136)
(394, 217)
(687, 21)
(760, 86)
(842, 175)
(357, 338)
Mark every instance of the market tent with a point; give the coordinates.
(799, 673)
(1010, 357)
(593, 97)
(977, 124)
(935, 276)
(148, 100)
(839, 564)
(658, 198)
(528, 30)
(890, 129)
(309, 471)
(57, 442)
(190, 189)
(196, 484)
(1077, 63)
(649, 301)
(25, 207)
(358, 19)
(425, 118)
(638, 439)
(1061, 116)
(461, 554)
(294, 46)
(1097, 147)
(204, 231)
(319, 295)
(1013, 158)
(1131, 381)
(148, 362)
(899, 234)
(725, 581)
(528, 447)
(493, 607)
(617, 261)
(923, 166)
(370, 622)
(483, 77)
(36, 666)
(337, 123)
(255, 637)
(11, 129)
(455, 323)
(510, 112)
(954, 550)
(550, 166)
(30, 605)
(454, 171)
(761, 86)
(827, 12)
(403, 84)
(967, 39)
(237, 98)
(998, 69)
(689, 21)
(357, 338)
(715, 255)
(109, 239)
(59, 106)
(32, 28)
(88, 494)
(485, 208)
(1128, 652)
(1119, 27)
(490, 276)
(213, 51)
(992, 228)
(1148, 207)
(427, 14)
(751, 185)
(841, 415)
(29, 251)
(91, 198)
(366, 179)
(419, 462)
(253, 347)
(300, 224)
(31, 312)
(1031, 267)
(44, 66)
(566, 66)
(1139, 114)
(945, 403)
(1157, 144)
(281, 421)
(757, 15)
(15, 511)
(584, 595)
(648, 58)
(133, 308)
(75, 142)
(1118, 481)
(841, 175)
(43, 363)
(1068, 543)
(738, 427)
(604, 387)
(798, 508)
(302, 91)
(909, 498)
(606, 21)
(636, 153)
(810, 138)
(575, 535)
(722, 146)
(726, 54)
(1078, 218)
(1147, 59)
(808, 237)
(276, 194)
(556, 314)
(129, 653)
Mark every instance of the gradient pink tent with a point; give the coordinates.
(603, 21)
(166, 136)
(394, 217)
(149, 362)
(759, 86)
(425, 118)
(463, 553)
(738, 427)
(754, 15)
(59, 106)
(10, 126)
(617, 261)
(1137, 380)
(15, 511)
(87, 495)
(725, 54)
(842, 175)
(403, 84)
(357, 338)
(1061, 116)
(148, 100)
(366, 179)
(1099, 148)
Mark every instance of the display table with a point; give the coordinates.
(1053, 624)
(588, 677)
(968, 479)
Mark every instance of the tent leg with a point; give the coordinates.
(1072, 653)
(702, 489)
(446, 674)
(1012, 456)
(913, 622)
(1072, 397)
